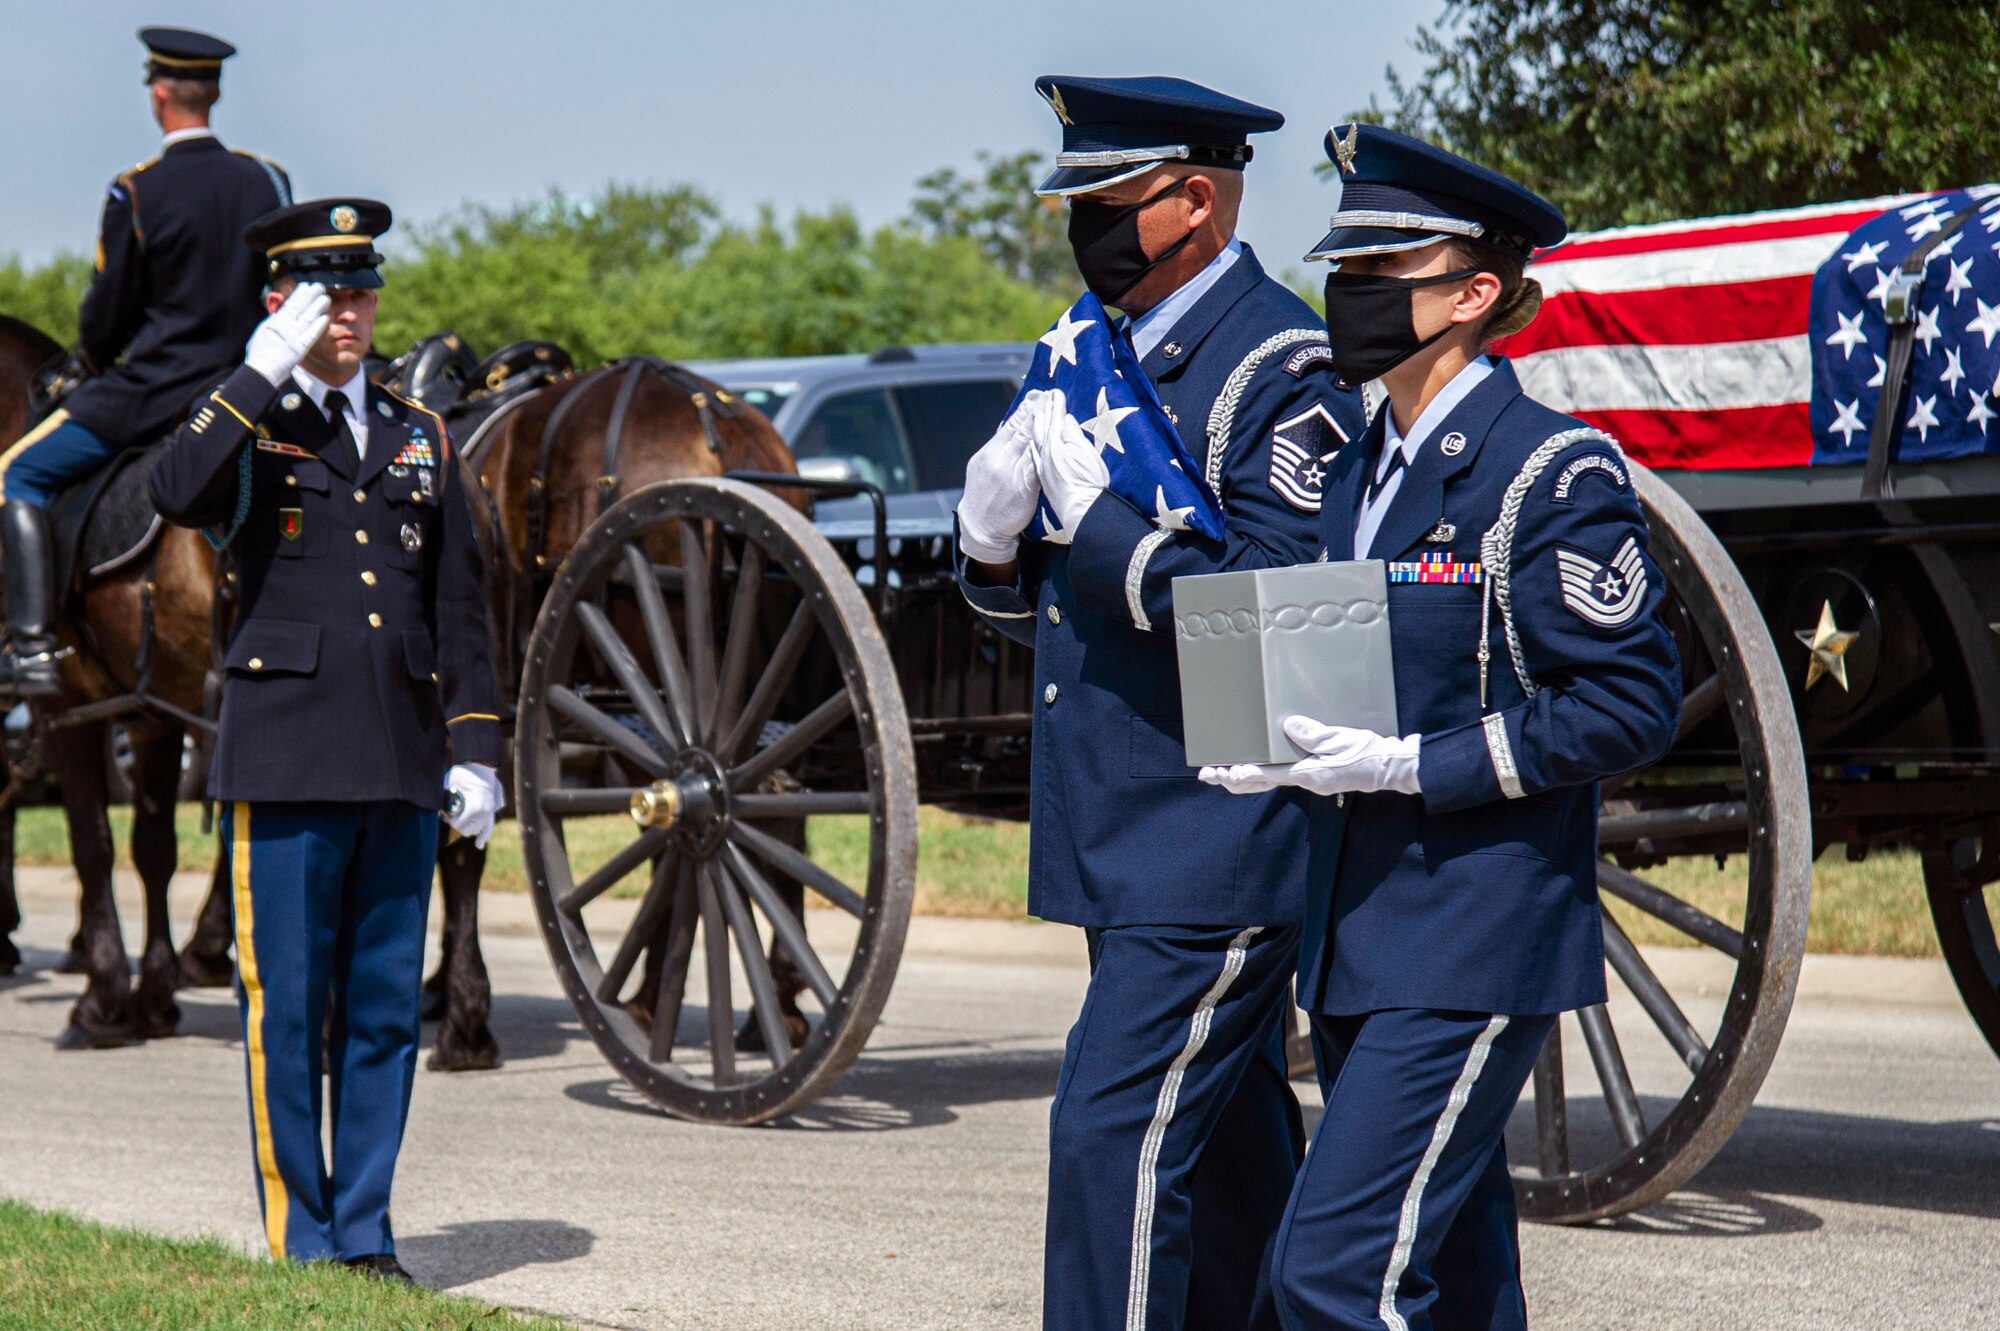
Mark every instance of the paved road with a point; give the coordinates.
(1864, 1190)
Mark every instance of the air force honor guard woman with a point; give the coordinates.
(1452, 893)
(1174, 1135)
(358, 673)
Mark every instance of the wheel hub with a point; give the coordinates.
(692, 801)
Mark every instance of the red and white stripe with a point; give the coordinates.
(1686, 341)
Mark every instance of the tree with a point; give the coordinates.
(46, 297)
(1627, 111)
(1024, 236)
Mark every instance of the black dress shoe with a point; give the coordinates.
(380, 1266)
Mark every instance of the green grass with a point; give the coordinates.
(59, 1273)
(1876, 907)
(979, 867)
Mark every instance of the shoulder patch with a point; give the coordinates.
(1576, 469)
(1307, 356)
(1605, 596)
(1301, 448)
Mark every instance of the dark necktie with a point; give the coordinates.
(337, 407)
(1381, 482)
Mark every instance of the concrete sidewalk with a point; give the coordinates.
(1863, 1191)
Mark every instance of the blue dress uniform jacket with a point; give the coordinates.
(176, 289)
(1111, 784)
(359, 668)
(1480, 895)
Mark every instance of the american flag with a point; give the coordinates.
(1087, 358)
(1695, 343)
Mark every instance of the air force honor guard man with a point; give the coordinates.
(1453, 895)
(175, 294)
(358, 673)
(1175, 1134)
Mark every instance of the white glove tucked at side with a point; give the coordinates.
(477, 787)
(1001, 486)
(283, 339)
(1340, 760)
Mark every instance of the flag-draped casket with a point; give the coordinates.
(1759, 340)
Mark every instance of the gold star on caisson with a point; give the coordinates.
(1828, 644)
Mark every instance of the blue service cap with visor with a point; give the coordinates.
(1400, 193)
(181, 53)
(1115, 129)
(329, 241)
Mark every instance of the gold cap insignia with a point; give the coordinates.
(344, 218)
(1343, 149)
(1054, 95)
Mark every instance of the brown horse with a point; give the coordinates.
(567, 454)
(174, 586)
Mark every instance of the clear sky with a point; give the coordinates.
(429, 104)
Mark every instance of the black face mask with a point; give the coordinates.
(1105, 240)
(1369, 322)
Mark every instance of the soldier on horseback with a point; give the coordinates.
(177, 293)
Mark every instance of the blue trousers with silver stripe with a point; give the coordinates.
(1403, 1216)
(329, 902)
(1175, 1134)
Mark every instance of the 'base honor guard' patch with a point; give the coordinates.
(1604, 595)
(291, 523)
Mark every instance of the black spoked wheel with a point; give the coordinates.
(1960, 876)
(1700, 1028)
(703, 678)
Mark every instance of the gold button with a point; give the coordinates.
(291, 479)
(361, 538)
(360, 496)
(1055, 615)
(374, 621)
(434, 676)
(256, 663)
(368, 576)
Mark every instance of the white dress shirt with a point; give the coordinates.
(1151, 328)
(183, 135)
(1369, 520)
(355, 390)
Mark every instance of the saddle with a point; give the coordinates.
(105, 521)
(442, 373)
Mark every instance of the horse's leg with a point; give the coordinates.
(156, 779)
(791, 982)
(10, 904)
(464, 1044)
(103, 1016)
(205, 960)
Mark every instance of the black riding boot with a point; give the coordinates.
(28, 669)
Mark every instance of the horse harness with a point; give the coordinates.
(631, 372)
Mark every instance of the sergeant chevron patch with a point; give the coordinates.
(1606, 596)
(1301, 448)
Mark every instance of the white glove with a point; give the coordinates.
(1001, 487)
(1072, 470)
(283, 339)
(480, 798)
(1340, 760)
